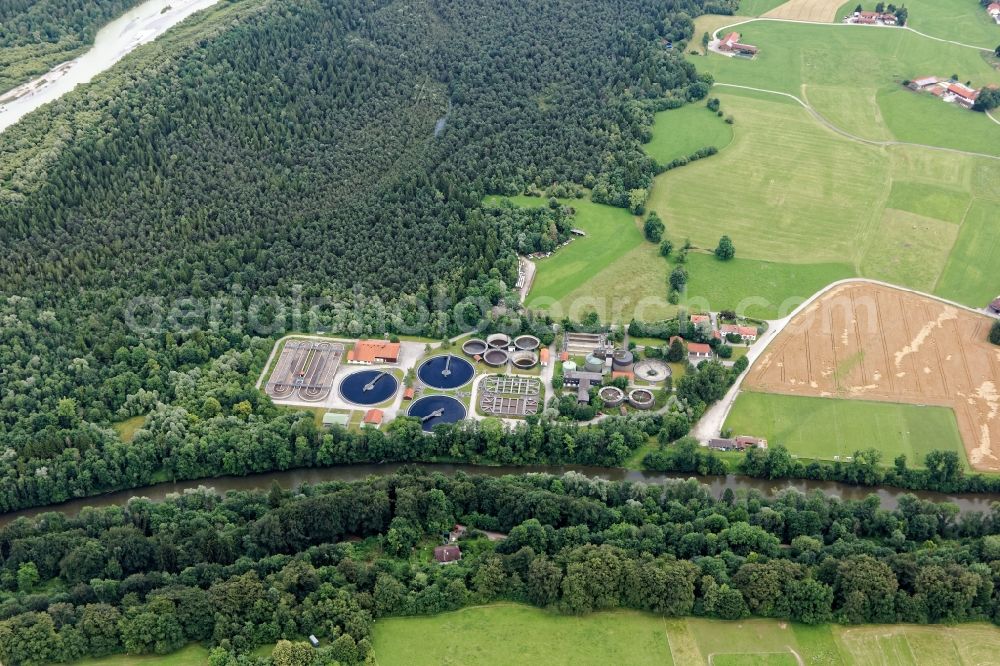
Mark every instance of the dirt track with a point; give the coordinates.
(878, 343)
(807, 10)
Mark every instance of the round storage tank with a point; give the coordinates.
(496, 357)
(435, 409)
(498, 340)
(527, 342)
(569, 366)
(474, 347)
(641, 398)
(623, 359)
(445, 372)
(594, 363)
(368, 387)
(524, 359)
(611, 396)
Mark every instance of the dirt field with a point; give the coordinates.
(879, 343)
(807, 10)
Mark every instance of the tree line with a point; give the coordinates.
(254, 568)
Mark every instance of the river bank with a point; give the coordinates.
(113, 42)
(291, 479)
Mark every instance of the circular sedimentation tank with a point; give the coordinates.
(623, 359)
(498, 340)
(526, 342)
(474, 347)
(445, 372)
(435, 409)
(641, 398)
(569, 366)
(524, 359)
(611, 396)
(496, 357)
(593, 363)
(368, 387)
(652, 370)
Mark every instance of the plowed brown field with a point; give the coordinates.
(878, 343)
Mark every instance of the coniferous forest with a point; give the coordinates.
(287, 150)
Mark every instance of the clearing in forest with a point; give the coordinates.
(612, 270)
(871, 342)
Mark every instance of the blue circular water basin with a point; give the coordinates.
(435, 409)
(445, 372)
(368, 387)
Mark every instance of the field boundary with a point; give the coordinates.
(712, 421)
(715, 35)
(853, 137)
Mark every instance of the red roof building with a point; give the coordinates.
(993, 9)
(995, 305)
(374, 351)
(373, 417)
(408, 393)
(627, 374)
(699, 350)
(564, 356)
(543, 356)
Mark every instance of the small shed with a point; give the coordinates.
(331, 419)
(313, 641)
(447, 554)
(373, 417)
(408, 393)
(995, 305)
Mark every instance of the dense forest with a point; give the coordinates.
(258, 568)
(268, 153)
(38, 34)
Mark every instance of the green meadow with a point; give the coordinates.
(192, 655)
(680, 132)
(758, 7)
(852, 75)
(612, 270)
(823, 428)
(513, 634)
(964, 21)
(799, 199)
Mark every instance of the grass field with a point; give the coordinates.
(753, 288)
(757, 7)
(817, 207)
(963, 21)
(192, 655)
(486, 635)
(822, 428)
(612, 270)
(680, 132)
(126, 429)
(852, 76)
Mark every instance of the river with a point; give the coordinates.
(294, 478)
(113, 42)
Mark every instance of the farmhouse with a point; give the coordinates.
(923, 82)
(367, 352)
(872, 18)
(993, 9)
(447, 554)
(995, 305)
(961, 94)
(746, 333)
(731, 44)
